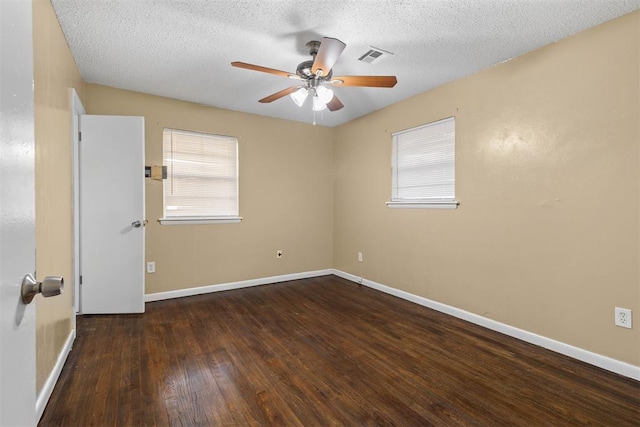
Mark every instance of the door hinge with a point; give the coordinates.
(79, 136)
(81, 280)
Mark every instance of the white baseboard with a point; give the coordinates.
(595, 359)
(604, 362)
(43, 397)
(234, 285)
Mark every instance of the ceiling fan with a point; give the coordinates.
(317, 73)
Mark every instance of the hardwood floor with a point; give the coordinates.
(321, 352)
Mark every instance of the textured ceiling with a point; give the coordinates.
(182, 49)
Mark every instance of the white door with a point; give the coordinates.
(111, 214)
(17, 215)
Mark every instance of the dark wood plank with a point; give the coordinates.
(321, 351)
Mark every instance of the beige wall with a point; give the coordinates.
(55, 73)
(546, 237)
(286, 195)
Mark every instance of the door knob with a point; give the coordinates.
(49, 287)
(137, 224)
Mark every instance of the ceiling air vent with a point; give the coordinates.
(374, 55)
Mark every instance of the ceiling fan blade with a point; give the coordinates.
(328, 54)
(365, 81)
(278, 95)
(263, 69)
(335, 104)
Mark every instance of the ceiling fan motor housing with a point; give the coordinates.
(313, 47)
(304, 71)
(304, 68)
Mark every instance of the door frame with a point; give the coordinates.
(77, 109)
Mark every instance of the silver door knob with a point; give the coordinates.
(136, 224)
(49, 287)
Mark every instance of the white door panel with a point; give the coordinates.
(17, 215)
(111, 199)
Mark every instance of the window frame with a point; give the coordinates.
(422, 202)
(201, 219)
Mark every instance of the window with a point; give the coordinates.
(202, 178)
(423, 166)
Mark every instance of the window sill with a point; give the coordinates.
(191, 221)
(423, 204)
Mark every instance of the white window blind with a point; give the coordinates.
(202, 176)
(423, 166)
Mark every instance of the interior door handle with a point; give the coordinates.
(49, 287)
(137, 224)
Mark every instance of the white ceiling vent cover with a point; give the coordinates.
(374, 55)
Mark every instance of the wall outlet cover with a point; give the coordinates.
(623, 317)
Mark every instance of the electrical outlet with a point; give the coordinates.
(623, 317)
(359, 256)
(151, 267)
(279, 253)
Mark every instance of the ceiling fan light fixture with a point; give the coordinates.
(299, 96)
(325, 94)
(318, 105)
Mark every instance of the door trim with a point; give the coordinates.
(77, 109)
